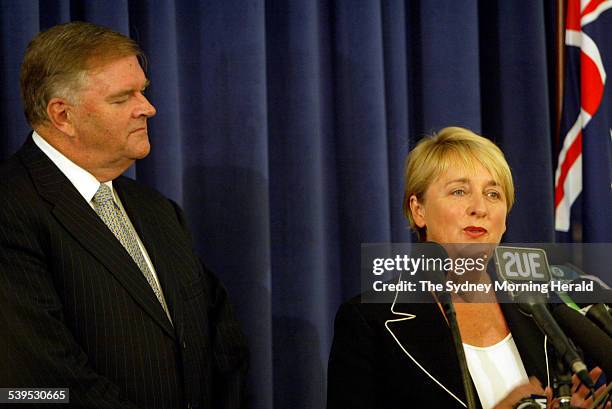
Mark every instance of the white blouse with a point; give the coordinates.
(496, 370)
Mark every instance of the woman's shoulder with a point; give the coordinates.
(368, 311)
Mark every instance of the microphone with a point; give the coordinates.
(591, 304)
(528, 267)
(600, 316)
(434, 250)
(593, 341)
(598, 313)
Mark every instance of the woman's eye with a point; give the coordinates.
(494, 195)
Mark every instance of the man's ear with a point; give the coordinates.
(59, 112)
(418, 211)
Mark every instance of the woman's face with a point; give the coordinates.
(462, 206)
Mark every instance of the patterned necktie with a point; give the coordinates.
(116, 221)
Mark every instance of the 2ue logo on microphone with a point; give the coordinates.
(522, 264)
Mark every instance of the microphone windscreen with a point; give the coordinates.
(593, 341)
(599, 295)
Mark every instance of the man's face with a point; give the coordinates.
(110, 115)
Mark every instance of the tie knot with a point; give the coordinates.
(103, 195)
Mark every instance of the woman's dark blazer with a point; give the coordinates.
(381, 353)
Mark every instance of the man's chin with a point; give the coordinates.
(141, 150)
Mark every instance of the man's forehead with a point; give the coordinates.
(99, 60)
(122, 73)
(126, 64)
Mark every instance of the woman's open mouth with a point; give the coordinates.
(475, 231)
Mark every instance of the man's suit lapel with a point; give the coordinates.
(424, 337)
(154, 237)
(81, 221)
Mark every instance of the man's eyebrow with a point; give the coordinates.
(128, 91)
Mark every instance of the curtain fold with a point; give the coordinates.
(302, 197)
(282, 129)
(400, 123)
(516, 110)
(447, 70)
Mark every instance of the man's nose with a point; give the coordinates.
(146, 108)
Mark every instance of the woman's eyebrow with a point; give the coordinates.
(466, 180)
(459, 180)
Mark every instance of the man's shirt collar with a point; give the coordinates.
(83, 181)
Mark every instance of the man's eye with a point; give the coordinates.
(458, 192)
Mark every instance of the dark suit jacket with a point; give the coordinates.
(76, 312)
(370, 366)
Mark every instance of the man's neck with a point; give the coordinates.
(66, 145)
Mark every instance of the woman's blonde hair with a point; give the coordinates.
(435, 153)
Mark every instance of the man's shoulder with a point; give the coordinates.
(143, 194)
(20, 201)
(14, 178)
(138, 189)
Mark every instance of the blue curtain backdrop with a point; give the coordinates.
(282, 128)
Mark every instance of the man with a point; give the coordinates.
(100, 291)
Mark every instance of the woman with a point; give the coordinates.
(458, 189)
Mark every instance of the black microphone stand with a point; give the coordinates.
(435, 250)
(468, 386)
(562, 383)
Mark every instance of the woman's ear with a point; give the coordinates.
(418, 211)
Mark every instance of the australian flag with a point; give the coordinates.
(583, 180)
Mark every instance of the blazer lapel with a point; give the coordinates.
(420, 330)
(423, 335)
(82, 222)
